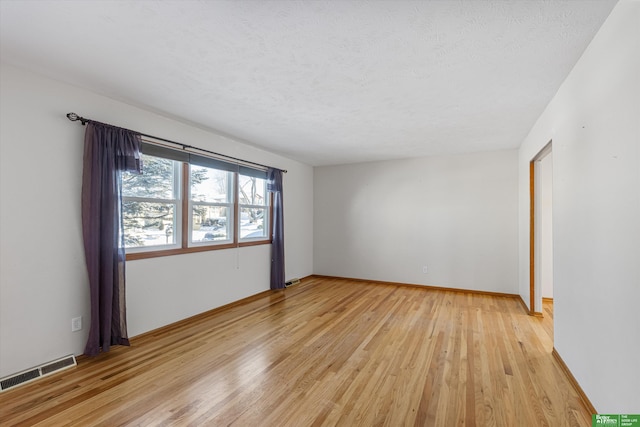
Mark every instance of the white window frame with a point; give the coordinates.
(229, 205)
(177, 217)
(266, 218)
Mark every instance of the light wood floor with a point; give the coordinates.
(325, 352)
(547, 312)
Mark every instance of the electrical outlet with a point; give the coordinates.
(76, 324)
(424, 269)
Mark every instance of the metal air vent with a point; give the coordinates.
(37, 372)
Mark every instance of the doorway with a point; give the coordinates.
(541, 232)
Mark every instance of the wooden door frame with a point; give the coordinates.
(532, 226)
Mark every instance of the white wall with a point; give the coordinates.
(386, 220)
(43, 281)
(546, 230)
(594, 122)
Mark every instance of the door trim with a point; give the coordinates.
(532, 227)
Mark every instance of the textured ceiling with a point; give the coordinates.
(323, 82)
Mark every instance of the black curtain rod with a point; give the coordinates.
(75, 118)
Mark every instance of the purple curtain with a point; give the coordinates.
(108, 151)
(274, 184)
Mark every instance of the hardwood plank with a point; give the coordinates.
(325, 352)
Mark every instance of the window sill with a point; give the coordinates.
(181, 251)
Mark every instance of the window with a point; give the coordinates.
(254, 213)
(151, 205)
(211, 205)
(187, 203)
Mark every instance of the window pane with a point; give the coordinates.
(156, 181)
(210, 185)
(210, 223)
(252, 222)
(148, 224)
(252, 190)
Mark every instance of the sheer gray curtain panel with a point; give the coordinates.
(274, 185)
(108, 151)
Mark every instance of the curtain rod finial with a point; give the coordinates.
(74, 118)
